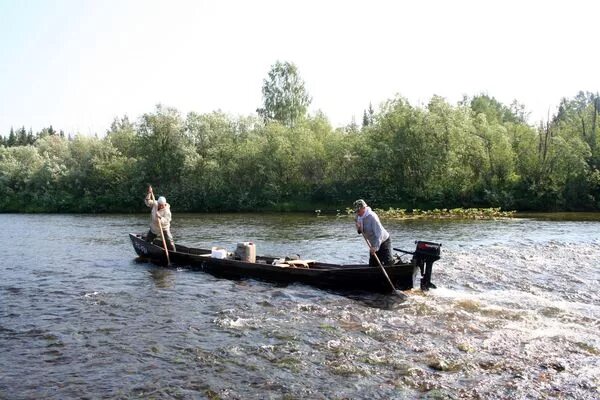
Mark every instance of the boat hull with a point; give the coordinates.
(325, 275)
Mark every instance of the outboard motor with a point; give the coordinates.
(424, 256)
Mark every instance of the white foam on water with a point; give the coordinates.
(235, 322)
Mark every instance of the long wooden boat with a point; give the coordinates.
(319, 274)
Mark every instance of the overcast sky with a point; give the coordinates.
(78, 64)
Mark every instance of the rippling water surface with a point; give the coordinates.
(516, 314)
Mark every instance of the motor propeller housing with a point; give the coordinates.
(424, 256)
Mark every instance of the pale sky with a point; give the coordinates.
(77, 64)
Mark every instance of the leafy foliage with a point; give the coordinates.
(464, 159)
(285, 98)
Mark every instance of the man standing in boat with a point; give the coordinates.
(368, 224)
(161, 218)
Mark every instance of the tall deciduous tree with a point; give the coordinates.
(580, 116)
(122, 135)
(162, 139)
(285, 98)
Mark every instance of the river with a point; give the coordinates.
(516, 314)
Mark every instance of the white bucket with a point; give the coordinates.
(218, 252)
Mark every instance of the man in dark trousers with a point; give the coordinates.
(368, 224)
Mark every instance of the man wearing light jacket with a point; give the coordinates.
(368, 224)
(161, 217)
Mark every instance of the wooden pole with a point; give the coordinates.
(397, 292)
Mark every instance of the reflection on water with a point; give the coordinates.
(162, 277)
(516, 313)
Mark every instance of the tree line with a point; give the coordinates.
(476, 153)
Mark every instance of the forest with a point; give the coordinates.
(476, 153)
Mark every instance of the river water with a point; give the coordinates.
(516, 314)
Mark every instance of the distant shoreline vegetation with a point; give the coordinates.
(464, 160)
(437, 213)
(444, 213)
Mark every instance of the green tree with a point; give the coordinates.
(123, 136)
(211, 154)
(47, 132)
(49, 184)
(455, 157)
(285, 98)
(495, 111)
(18, 168)
(207, 132)
(570, 153)
(368, 116)
(580, 116)
(30, 137)
(12, 138)
(164, 145)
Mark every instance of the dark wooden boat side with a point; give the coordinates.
(326, 275)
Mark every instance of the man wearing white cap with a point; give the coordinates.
(161, 212)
